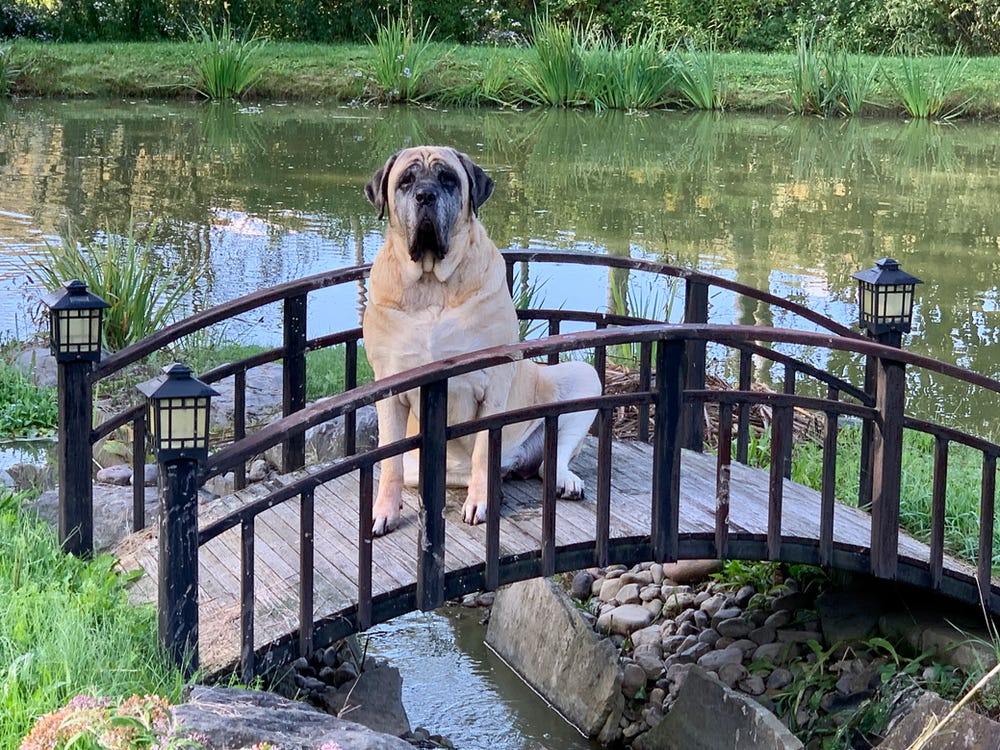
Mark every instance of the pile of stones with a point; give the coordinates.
(749, 640)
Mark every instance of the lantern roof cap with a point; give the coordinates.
(886, 272)
(176, 382)
(73, 296)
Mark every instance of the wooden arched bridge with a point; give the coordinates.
(285, 564)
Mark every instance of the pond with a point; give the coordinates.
(259, 195)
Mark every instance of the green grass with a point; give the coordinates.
(699, 76)
(402, 58)
(229, 63)
(26, 410)
(553, 70)
(307, 72)
(928, 90)
(628, 76)
(66, 628)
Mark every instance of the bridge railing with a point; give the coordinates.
(665, 396)
(296, 344)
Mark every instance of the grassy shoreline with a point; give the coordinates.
(749, 82)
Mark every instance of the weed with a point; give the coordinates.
(925, 92)
(231, 62)
(622, 75)
(7, 70)
(25, 409)
(697, 76)
(325, 371)
(528, 295)
(554, 71)
(402, 58)
(127, 273)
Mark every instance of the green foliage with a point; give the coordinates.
(697, 75)
(325, 371)
(7, 70)
(402, 58)
(127, 273)
(230, 62)
(67, 628)
(25, 409)
(628, 75)
(553, 73)
(926, 91)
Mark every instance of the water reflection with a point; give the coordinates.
(794, 205)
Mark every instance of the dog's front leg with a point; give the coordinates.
(474, 509)
(392, 413)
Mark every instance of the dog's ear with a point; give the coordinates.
(480, 183)
(377, 188)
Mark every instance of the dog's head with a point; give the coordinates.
(428, 191)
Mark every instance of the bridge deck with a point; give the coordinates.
(336, 533)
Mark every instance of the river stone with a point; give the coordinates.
(734, 627)
(117, 474)
(38, 364)
(374, 699)
(713, 660)
(711, 605)
(628, 594)
(675, 602)
(707, 715)
(268, 718)
(582, 585)
(625, 619)
(650, 658)
(647, 635)
(967, 731)
(112, 512)
(633, 679)
(574, 669)
(609, 589)
(691, 571)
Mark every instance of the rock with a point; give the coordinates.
(582, 585)
(268, 718)
(112, 512)
(848, 615)
(609, 589)
(624, 619)
(967, 731)
(648, 635)
(150, 475)
(633, 679)
(573, 668)
(31, 476)
(791, 601)
(778, 679)
(374, 699)
(258, 470)
(752, 685)
(650, 658)
(736, 721)
(744, 595)
(776, 653)
(325, 442)
(735, 627)
(628, 594)
(224, 484)
(691, 571)
(39, 364)
(713, 604)
(730, 674)
(118, 474)
(675, 602)
(779, 619)
(714, 660)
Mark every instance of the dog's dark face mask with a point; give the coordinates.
(432, 188)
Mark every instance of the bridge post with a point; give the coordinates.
(671, 367)
(887, 454)
(76, 489)
(695, 311)
(433, 483)
(293, 450)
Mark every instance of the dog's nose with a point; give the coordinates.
(426, 196)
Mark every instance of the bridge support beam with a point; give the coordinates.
(887, 455)
(671, 367)
(433, 483)
(76, 490)
(695, 311)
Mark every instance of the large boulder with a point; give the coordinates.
(374, 698)
(232, 718)
(112, 512)
(966, 731)
(537, 630)
(709, 716)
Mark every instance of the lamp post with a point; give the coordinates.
(178, 418)
(885, 311)
(75, 323)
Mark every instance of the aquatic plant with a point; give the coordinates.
(553, 73)
(697, 74)
(231, 62)
(402, 58)
(628, 75)
(925, 91)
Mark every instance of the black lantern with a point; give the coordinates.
(75, 317)
(178, 414)
(885, 298)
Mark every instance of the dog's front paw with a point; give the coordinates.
(474, 511)
(385, 517)
(569, 486)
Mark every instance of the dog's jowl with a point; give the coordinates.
(438, 289)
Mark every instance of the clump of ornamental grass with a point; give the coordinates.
(125, 271)
(402, 57)
(628, 75)
(925, 86)
(230, 63)
(554, 70)
(697, 75)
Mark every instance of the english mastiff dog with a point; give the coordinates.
(438, 289)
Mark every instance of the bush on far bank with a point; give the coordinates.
(924, 26)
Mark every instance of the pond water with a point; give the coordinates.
(259, 195)
(262, 194)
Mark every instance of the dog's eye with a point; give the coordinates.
(405, 180)
(448, 179)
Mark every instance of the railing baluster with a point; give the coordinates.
(366, 483)
(987, 506)
(601, 359)
(865, 468)
(780, 438)
(549, 496)
(602, 544)
(240, 423)
(645, 366)
(828, 484)
(743, 428)
(695, 311)
(139, 471)
(938, 495)
(430, 544)
(307, 572)
(788, 387)
(247, 566)
(494, 497)
(293, 452)
(887, 467)
(671, 366)
(722, 474)
(350, 382)
(553, 358)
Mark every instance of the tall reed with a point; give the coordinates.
(627, 75)
(697, 75)
(231, 61)
(925, 90)
(554, 72)
(143, 291)
(402, 58)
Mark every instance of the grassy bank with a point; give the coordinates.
(465, 75)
